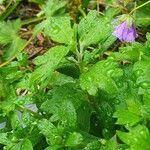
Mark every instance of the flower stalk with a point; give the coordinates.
(139, 6)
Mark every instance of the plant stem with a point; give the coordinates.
(80, 53)
(139, 6)
(8, 4)
(10, 8)
(82, 12)
(12, 58)
(33, 20)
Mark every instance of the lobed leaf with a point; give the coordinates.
(94, 29)
(137, 138)
(101, 76)
(9, 31)
(47, 63)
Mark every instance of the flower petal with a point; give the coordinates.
(131, 35)
(125, 33)
(119, 30)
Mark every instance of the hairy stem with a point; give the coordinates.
(139, 6)
(32, 20)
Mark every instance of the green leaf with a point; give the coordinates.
(17, 146)
(141, 67)
(26, 145)
(3, 87)
(130, 53)
(101, 76)
(52, 9)
(47, 63)
(8, 105)
(66, 92)
(146, 106)
(57, 28)
(131, 115)
(67, 114)
(49, 131)
(9, 31)
(61, 79)
(134, 106)
(47, 128)
(148, 40)
(111, 144)
(16, 120)
(137, 138)
(143, 16)
(55, 147)
(61, 106)
(40, 27)
(108, 42)
(142, 72)
(52, 6)
(93, 29)
(4, 139)
(64, 102)
(126, 117)
(94, 145)
(112, 12)
(60, 30)
(85, 118)
(85, 3)
(73, 139)
(16, 46)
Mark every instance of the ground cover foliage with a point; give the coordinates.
(66, 83)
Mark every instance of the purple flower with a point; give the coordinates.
(125, 33)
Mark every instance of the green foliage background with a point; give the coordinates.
(81, 94)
